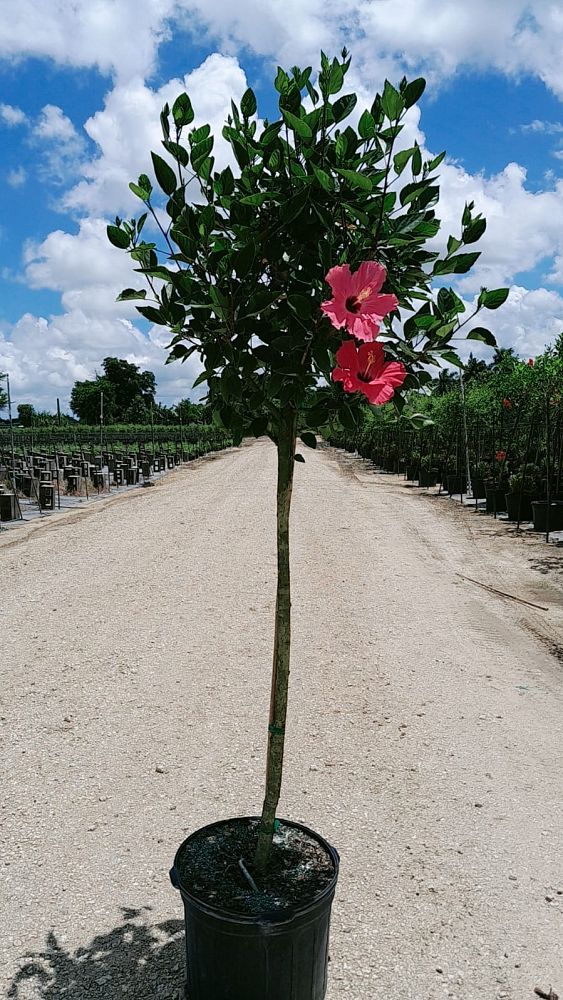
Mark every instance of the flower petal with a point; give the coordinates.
(363, 327)
(336, 312)
(378, 306)
(394, 372)
(369, 274)
(378, 392)
(340, 280)
(347, 356)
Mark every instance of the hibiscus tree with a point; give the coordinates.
(236, 261)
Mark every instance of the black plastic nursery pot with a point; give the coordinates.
(455, 484)
(539, 508)
(519, 508)
(478, 487)
(496, 499)
(427, 477)
(280, 955)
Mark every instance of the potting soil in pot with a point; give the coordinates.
(299, 868)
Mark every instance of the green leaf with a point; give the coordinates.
(474, 231)
(414, 91)
(199, 134)
(453, 244)
(299, 458)
(411, 192)
(164, 174)
(449, 302)
(480, 333)
(282, 81)
(466, 217)
(178, 353)
(182, 111)
(356, 179)
(309, 439)
(494, 298)
(335, 78)
(155, 272)
(324, 179)
(456, 265)
(177, 151)
(401, 159)
(164, 123)
(301, 305)
(297, 124)
(243, 260)
(152, 314)
(139, 191)
(420, 420)
(431, 165)
(257, 199)
(118, 237)
(344, 106)
(202, 377)
(416, 160)
(452, 357)
(366, 125)
(248, 103)
(392, 102)
(131, 293)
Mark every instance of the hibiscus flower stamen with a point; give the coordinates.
(365, 376)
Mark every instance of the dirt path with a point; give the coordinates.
(425, 736)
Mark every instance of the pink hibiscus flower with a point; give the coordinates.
(356, 302)
(364, 369)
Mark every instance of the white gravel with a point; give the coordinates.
(425, 735)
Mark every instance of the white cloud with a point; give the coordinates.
(120, 38)
(436, 36)
(44, 357)
(529, 321)
(61, 146)
(16, 177)
(128, 128)
(524, 228)
(10, 115)
(548, 128)
(84, 267)
(53, 124)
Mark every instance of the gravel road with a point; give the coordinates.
(424, 741)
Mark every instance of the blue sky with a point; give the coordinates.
(79, 103)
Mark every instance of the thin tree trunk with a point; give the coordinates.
(282, 636)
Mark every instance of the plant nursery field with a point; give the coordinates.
(424, 739)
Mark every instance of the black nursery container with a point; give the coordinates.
(540, 513)
(519, 507)
(282, 956)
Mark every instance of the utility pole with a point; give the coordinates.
(101, 423)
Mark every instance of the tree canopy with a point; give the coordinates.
(238, 272)
(128, 394)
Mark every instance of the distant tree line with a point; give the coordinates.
(128, 398)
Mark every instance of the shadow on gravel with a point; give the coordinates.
(136, 959)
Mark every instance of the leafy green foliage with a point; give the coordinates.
(239, 276)
(128, 394)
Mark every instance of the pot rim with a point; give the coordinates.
(284, 917)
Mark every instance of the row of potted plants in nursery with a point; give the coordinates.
(523, 493)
